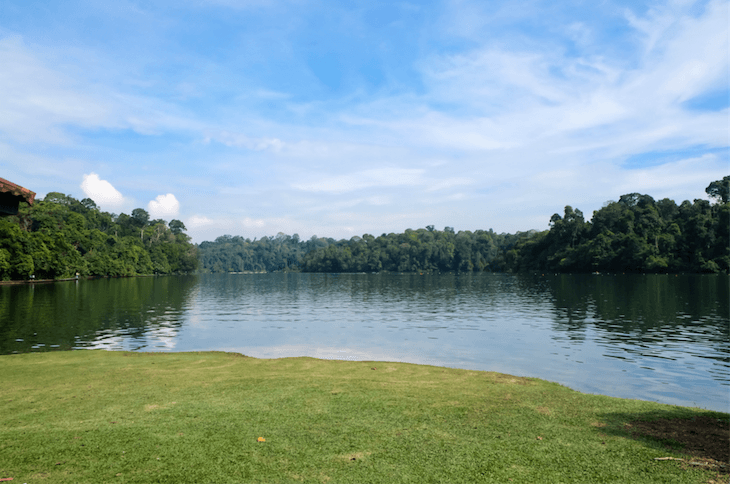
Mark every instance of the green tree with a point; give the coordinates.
(140, 217)
(177, 227)
(719, 190)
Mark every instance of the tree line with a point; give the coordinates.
(60, 236)
(238, 254)
(425, 249)
(634, 234)
(422, 250)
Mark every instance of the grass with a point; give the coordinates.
(120, 417)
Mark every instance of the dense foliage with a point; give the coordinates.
(236, 254)
(635, 234)
(422, 250)
(60, 236)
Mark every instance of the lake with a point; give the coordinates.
(664, 338)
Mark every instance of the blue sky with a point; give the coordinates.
(343, 118)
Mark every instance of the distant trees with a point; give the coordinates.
(60, 236)
(634, 234)
(426, 249)
(238, 254)
(422, 250)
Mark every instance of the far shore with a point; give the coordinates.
(68, 279)
(80, 278)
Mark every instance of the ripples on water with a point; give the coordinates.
(661, 338)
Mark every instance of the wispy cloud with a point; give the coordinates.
(516, 108)
(37, 100)
(48, 103)
(370, 179)
(673, 177)
(242, 141)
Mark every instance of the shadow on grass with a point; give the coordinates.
(702, 436)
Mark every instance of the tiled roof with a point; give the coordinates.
(17, 190)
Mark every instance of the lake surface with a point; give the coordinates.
(664, 338)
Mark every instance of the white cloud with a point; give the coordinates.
(197, 221)
(101, 191)
(164, 206)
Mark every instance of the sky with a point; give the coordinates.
(340, 118)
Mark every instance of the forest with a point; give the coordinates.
(422, 250)
(634, 234)
(267, 254)
(414, 250)
(60, 236)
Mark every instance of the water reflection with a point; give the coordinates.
(654, 316)
(663, 338)
(103, 313)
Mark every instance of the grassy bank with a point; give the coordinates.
(94, 416)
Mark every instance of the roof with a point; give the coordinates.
(17, 190)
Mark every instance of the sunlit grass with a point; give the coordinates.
(94, 416)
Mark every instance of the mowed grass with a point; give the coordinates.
(120, 417)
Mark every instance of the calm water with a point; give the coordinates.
(662, 338)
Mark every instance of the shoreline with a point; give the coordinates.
(374, 359)
(17, 282)
(69, 279)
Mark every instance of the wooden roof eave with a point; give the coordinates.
(17, 191)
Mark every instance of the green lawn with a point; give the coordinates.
(97, 416)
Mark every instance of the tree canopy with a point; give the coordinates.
(237, 254)
(60, 236)
(422, 250)
(635, 234)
